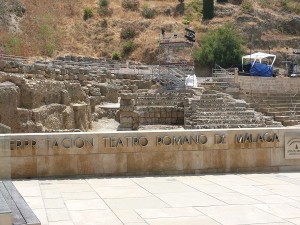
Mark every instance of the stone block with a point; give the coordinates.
(58, 165)
(23, 167)
(174, 114)
(139, 163)
(163, 114)
(125, 120)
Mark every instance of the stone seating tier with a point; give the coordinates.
(215, 109)
(226, 113)
(226, 121)
(222, 126)
(279, 109)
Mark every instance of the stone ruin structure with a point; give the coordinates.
(65, 94)
(146, 108)
(69, 93)
(193, 109)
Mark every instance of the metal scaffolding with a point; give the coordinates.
(175, 59)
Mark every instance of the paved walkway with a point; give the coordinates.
(173, 200)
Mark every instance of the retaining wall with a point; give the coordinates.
(154, 152)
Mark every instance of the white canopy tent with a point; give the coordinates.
(258, 56)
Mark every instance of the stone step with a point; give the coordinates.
(278, 109)
(283, 113)
(224, 126)
(226, 121)
(284, 118)
(224, 118)
(290, 122)
(224, 113)
(220, 109)
(279, 105)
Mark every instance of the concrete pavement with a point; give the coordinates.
(162, 200)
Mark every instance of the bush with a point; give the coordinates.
(115, 56)
(132, 5)
(247, 6)
(128, 32)
(193, 11)
(103, 3)
(103, 8)
(127, 48)
(87, 13)
(148, 12)
(222, 46)
(222, 1)
(12, 45)
(208, 9)
(48, 37)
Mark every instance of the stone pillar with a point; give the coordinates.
(128, 117)
(236, 75)
(82, 116)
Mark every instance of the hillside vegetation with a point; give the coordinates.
(130, 28)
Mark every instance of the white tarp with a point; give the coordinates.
(191, 81)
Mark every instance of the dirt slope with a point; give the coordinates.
(52, 28)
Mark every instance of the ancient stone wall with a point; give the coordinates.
(9, 98)
(66, 93)
(267, 85)
(42, 105)
(152, 108)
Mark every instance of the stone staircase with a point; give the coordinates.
(213, 110)
(282, 107)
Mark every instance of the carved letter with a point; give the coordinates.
(158, 140)
(143, 141)
(67, 143)
(106, 142)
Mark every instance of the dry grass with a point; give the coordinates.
(56, 27)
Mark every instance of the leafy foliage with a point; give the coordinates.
(208, 9)
(12, 45)
(127, 48)
(193, 10)
(103, 3)
(247, 6)
(115, 56)
(48, 36)
(222, 46)
(87, 13)
(103, 9)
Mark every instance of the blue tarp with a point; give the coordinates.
(262, 70)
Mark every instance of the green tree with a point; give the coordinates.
(222, 46)
(208, 9)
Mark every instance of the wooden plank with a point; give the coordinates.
(24, 208)
(17, 216)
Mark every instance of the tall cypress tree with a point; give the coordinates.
(208, 9)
